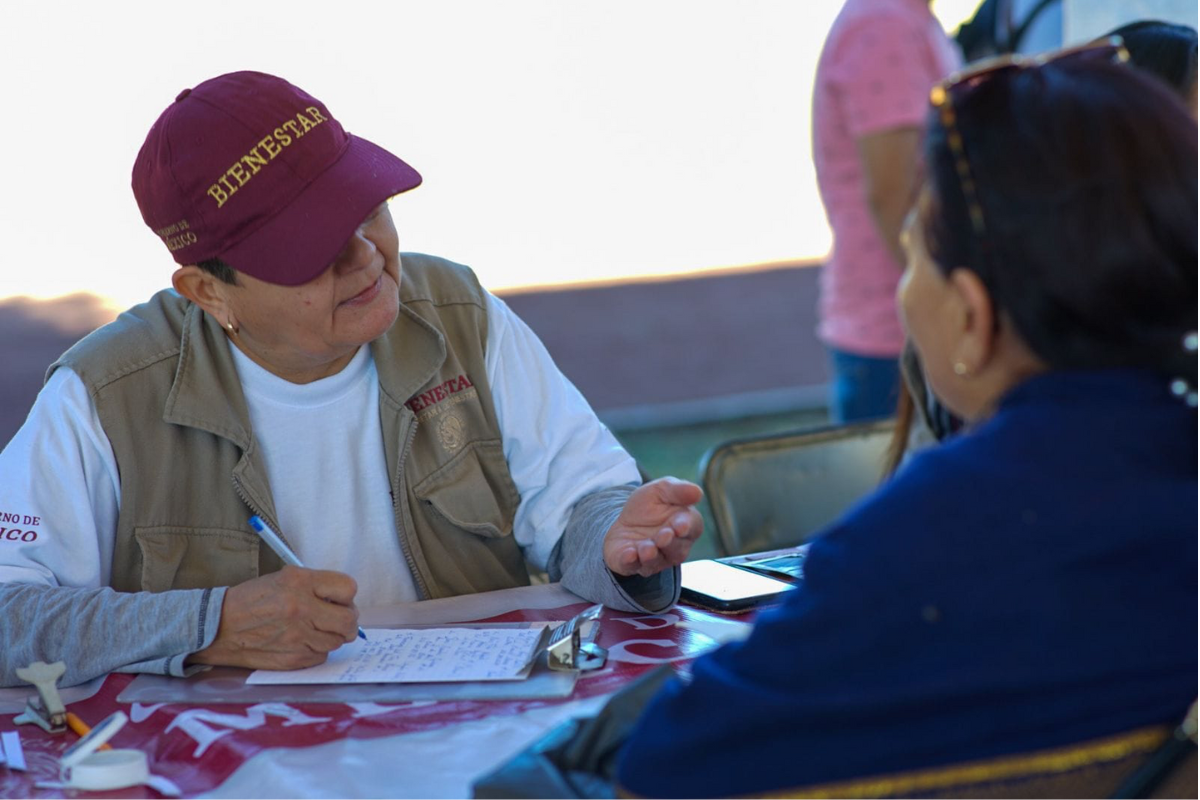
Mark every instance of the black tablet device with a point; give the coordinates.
(722, 587)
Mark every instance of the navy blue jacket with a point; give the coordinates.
(1029, 584)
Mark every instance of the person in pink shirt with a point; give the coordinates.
(878, 64)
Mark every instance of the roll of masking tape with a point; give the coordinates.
(85, 766)
(109, 769)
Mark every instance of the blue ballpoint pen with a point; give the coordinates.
(282, 550)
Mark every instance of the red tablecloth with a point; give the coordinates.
(200, 746)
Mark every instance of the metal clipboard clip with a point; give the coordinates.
(46, 709)
(572, 645)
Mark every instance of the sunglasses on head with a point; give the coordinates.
(960, 85)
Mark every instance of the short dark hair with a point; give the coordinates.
(1086, 174)
(220, 269)
(1164, 49)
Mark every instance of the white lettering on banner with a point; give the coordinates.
(644, 623)
(192, 722)
(620, 652)
(141, 713)
(372, 709)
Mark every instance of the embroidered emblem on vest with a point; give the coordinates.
(451, 432)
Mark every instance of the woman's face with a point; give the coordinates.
(929, 309)
(306, 332)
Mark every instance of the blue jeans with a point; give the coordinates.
(863, 387)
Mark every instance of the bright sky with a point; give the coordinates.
(560, 141)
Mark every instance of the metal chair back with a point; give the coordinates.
(778, 490)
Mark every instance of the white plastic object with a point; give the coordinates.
(109, 769)
(85, 766)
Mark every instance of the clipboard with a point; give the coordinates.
(568, 649)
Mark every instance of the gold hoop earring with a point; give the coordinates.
(230, 327)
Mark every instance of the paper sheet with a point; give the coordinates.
(10, 745)
(421, 655)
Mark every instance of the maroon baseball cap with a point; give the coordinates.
(250, 169)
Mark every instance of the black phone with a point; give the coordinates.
(722, 587)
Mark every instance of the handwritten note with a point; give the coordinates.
(421, 655)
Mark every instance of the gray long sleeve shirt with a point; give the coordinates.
(96, 631)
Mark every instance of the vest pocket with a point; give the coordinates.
(473, 491)
(195, 558)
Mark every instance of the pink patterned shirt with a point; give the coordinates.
(878, 64)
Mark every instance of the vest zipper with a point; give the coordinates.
(404, 512)
(237, 487)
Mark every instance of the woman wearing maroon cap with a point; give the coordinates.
(392, 421)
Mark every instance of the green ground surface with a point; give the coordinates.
(677, 451)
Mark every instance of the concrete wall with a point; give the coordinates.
(716, 345)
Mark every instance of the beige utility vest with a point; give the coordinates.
(163, 382)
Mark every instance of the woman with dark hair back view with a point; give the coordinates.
(1166, 50)
(1018, 603)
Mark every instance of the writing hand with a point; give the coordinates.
(288, 619)
(656, 528)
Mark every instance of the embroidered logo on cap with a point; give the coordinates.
(177, 235)
(272, 144)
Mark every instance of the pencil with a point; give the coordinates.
(81, 728)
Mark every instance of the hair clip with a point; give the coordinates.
(1181, 389)
(1180, 386)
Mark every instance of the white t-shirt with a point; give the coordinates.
(323, 451)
